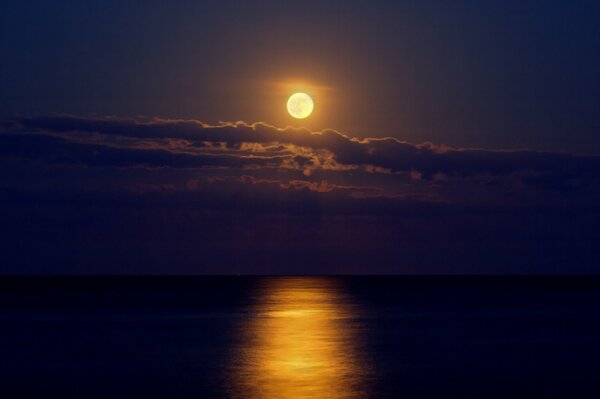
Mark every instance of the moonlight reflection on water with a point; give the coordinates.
(300, 344)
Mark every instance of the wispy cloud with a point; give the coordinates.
(128, 192)
(301, 159)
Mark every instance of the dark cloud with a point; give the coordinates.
(386, 153)
(128, 195)
(303, 160)
(58, 150)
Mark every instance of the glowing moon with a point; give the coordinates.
(300, 105)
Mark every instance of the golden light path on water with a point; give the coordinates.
(299, 344)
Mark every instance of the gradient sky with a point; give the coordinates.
(500, 74)
(447, 137)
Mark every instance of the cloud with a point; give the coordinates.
(137, 194)
(60, 150)
(385, 153)
(300, 159)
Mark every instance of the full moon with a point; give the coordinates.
(300, 105)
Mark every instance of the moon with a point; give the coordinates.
(300, 105)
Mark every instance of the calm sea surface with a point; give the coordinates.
(299, 337)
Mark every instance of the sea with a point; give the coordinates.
(296, 337)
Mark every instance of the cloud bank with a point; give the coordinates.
(386, 166)
(240, 195)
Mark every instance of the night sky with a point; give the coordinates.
(152, 137)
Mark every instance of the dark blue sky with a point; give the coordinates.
(152, 137)
(499, 74)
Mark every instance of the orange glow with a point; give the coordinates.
(299, 345)
(278, 91)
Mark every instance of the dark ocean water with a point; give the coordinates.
(300, 337)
